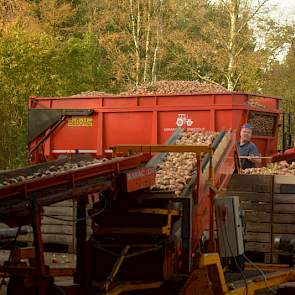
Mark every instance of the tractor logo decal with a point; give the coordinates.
(183, 120)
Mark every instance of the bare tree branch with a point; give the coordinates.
(217, 31)
(135, 35)
(237, 81)
(252, 15)
(158, 37)
(206, 78)
(239, 51)
(225, 5)
(194, 71)
(138, 20)
(155, 55)
(147, 42)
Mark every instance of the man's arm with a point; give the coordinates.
(253, 152)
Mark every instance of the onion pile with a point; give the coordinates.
(92, 93)
(178, 86)
(177, 169)
(263, 123)
(279, 168)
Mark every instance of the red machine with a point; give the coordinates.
(141, 239)
(288, 155)
(89, 125)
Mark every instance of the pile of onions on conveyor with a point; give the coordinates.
(279, 168)
(177, 169)
(52, 170)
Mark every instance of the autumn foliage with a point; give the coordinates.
(63, 47)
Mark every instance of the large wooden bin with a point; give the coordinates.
(269, 205)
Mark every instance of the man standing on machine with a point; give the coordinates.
(248, 151)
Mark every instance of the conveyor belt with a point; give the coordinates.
(189, 187)
(17, 197)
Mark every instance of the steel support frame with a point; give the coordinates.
(186, 229)
(163, 148)
(43, 279)
(81, 235)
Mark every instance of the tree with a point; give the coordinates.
(240, 14)
(229, 42)
(38, 63)
(280, 80)
(63, 47)
(131, 33)
(146, 16)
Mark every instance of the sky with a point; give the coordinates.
(284, 10)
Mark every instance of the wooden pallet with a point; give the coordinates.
(58, 232)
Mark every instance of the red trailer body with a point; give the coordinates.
(145, 119)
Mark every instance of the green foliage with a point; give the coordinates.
(280, 81)
(39, 64)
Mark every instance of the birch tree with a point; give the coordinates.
(131, 31)
(146, 19)
(229, 42)
(241, 16)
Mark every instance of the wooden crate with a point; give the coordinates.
(284, 184)
(255, 194)
(283, 208)
(257, 207)
(269, 204)
(251, 183)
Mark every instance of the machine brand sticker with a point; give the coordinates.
(182, 120)
(140, 178)
(80, 122)
(140, 173)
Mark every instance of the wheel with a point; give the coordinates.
(179, 122)
(189, 122)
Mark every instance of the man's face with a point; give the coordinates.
(246, 134)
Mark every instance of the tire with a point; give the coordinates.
(179, 122)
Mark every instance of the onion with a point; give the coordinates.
(179, 167)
